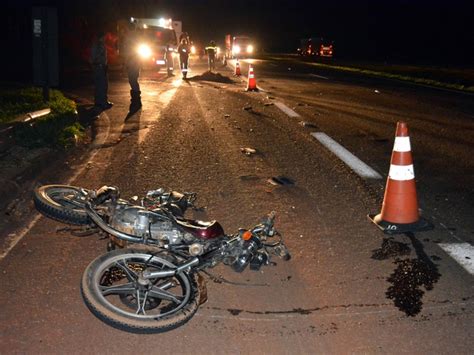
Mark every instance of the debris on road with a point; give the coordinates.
(213, 77)
(248, 108)
(308, 124)
(226, 116)
(248, 151)
(390, 248)
(268, 104)
(270, 97)
(281, 180)
(376, 91)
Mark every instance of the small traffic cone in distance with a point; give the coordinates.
(400, 206)
(252, 82)
(237, 68)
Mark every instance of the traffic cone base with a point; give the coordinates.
(399, 228)
(399, 212)
(252, 82)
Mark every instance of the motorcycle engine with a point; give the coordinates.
(140, 222)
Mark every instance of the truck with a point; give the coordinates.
(316, 47)
(156, 41)
(239, 46)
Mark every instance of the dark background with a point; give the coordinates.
(397, 31)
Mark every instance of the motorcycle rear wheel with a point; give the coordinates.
(111, 286)
(63, 203)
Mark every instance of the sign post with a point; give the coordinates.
(45, 48)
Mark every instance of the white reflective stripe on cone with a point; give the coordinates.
(402, 144)
(251, 76)
(401, 172)
(184, 70)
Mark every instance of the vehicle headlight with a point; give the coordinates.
(249, 48)
(144, 51)
(236, 49)
(193, 49)
(218, 50)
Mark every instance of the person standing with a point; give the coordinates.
(183, 50)
(99, 64)
(211, 50)
(132, 65)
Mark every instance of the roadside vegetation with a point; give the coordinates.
(454, 79)
(449, 78)
(60, 128)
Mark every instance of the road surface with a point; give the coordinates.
(348, 288)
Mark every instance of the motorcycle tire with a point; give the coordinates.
(115, 302)
(62, 203)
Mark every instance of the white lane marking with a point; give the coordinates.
(17, 237)
(286, 109)
(463, 253)
(359, 167)
(319, 76)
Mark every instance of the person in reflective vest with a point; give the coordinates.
(183, 50)
(211, 51)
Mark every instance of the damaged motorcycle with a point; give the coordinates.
(150, 280)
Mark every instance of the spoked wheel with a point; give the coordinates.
(115, 290)
(62, 202)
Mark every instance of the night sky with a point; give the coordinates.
(406, 31)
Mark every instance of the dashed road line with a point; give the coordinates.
(357, 165)
(463, 253)
(319, 76)
(286, 109)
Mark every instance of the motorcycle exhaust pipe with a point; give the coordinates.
(167, 273)
(106, 228)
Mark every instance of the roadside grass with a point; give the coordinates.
(59, 129)
(449, 78)
(18, 101)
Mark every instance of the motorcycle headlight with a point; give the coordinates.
(249, 48)
(144, 51)
(236, 49)
(193, 49)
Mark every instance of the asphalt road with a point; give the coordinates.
(348, 288)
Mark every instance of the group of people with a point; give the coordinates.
(132, 63)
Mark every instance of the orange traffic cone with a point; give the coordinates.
(400, 206)
(237, 68)
(252, 83)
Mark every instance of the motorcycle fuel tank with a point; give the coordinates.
(204, 230)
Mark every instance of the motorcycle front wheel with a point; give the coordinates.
(63, 203)
(115, 291)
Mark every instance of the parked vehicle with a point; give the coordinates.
(239, 46)
(150, 280)
(155, 41)
(316, 47)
